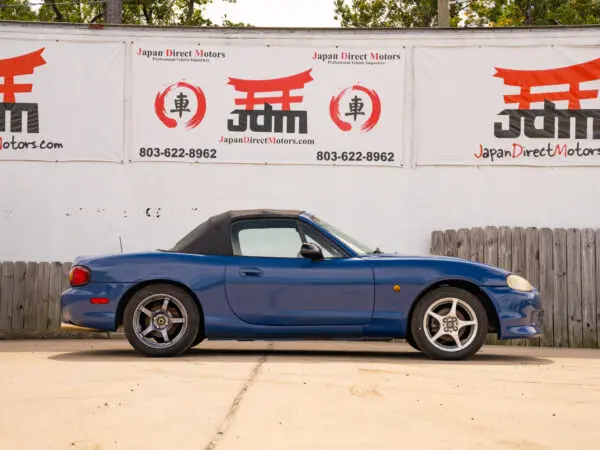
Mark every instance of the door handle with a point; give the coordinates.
(250, 272)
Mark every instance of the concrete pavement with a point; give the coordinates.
(99, 394)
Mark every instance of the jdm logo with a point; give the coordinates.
(523, 114)
(278, 92)
(185, 101)
(355, 108)
(9, 69)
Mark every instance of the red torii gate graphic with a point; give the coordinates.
(18, 66)
(283, 85)
(572, 75)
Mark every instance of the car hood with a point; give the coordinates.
(433, 259)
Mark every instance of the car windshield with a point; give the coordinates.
(355, 245)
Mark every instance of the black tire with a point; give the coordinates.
(477, 338)
(199, 337)
(412, 343)
(186, 333)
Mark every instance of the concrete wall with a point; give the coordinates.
(57, 211)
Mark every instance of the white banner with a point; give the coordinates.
(536, 106)
(61, 101)
(217, 102)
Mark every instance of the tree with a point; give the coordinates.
(423, 13)
(386, 13)
(135, 12)
(16, 10)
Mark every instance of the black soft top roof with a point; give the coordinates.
(212, 237)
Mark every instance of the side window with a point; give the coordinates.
(277, 238)
(313, 236)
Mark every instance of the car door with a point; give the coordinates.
(268, 282)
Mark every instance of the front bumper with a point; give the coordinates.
(520, 314)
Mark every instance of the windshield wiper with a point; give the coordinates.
(376, 251)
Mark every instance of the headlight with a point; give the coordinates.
(519, 283)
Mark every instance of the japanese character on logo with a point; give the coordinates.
(181, 104)
(356, 104)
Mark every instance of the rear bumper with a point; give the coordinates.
(520, 314)
(78, 310)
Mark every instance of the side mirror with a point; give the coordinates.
(311, 251)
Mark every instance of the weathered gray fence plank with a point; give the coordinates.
(505, 248)
(18, 306)
(518, 251)
(41, 298)
(518, 264)
(29, 307)
(477, 240)
(66, 267)
(490, 249)
(574, 287)
(437, 243)
(463, 244)
(532, 266)
(55, 289)
(450, 238)
(561, 311)
(546, 245)
(7, 274)
(588, 289)
(490, 256)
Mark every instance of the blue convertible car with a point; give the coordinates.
(288, 275)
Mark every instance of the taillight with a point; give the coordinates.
(79, 275)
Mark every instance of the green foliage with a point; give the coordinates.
(505, 13)
(16, 10)
(538, 12)
(386, 13)
(135, 12)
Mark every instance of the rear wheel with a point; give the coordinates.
(161, 320)
(449, 323)
(199, 337)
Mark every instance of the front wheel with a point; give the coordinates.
(410, 341)
(450, 324)
(161, 320)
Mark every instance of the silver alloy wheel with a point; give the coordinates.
(160, 321)
(450, 324)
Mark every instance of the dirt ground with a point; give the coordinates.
(98, 394)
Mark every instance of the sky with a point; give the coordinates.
(275, 13)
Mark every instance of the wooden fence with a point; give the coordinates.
(564, 264)
(30, 295)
